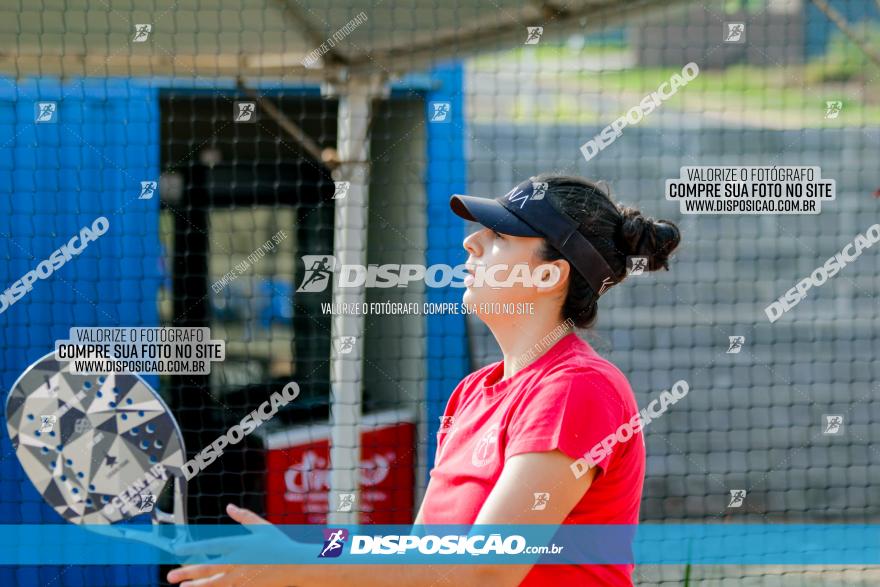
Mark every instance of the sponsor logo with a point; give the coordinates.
(606, 283)
(113, 464)
(82, 425)
(312, 474)
(539, 189)
(486, 447)
(334, 541)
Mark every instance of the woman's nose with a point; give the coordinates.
(471, 243)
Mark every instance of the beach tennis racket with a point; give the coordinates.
(99, 448)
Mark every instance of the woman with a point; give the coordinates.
(517, 440)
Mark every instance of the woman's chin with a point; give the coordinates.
(479, 299)
(474, 295)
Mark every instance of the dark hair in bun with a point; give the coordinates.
(646, 237)
(616, 231)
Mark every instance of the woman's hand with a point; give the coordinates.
(229, 575)
(232, 575)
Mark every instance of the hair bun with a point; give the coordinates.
(646, 237)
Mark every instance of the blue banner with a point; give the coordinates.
(675, 544)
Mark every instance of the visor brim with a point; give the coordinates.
(491, 214)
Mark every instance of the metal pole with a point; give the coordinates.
(356, 97)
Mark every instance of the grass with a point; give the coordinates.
(545, 53)
(772, 92)
(775, 97)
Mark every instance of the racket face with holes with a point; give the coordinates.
(84, 440)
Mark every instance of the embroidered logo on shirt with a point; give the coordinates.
(486, 447)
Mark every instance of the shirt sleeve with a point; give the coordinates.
(572, 411)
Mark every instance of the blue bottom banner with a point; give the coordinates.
(673, 544)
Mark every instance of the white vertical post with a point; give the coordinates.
(350, 248)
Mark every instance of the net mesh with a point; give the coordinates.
(471, 98)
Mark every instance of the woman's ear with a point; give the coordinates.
(552, 276)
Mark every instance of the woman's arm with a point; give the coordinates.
(513, 497)
(510, 502)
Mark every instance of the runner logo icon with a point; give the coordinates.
(334, 540)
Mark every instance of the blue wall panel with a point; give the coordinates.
(55, 179)
(448, 358)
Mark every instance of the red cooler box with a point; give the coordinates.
(298, 475)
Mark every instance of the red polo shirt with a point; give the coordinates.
(569, 399)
